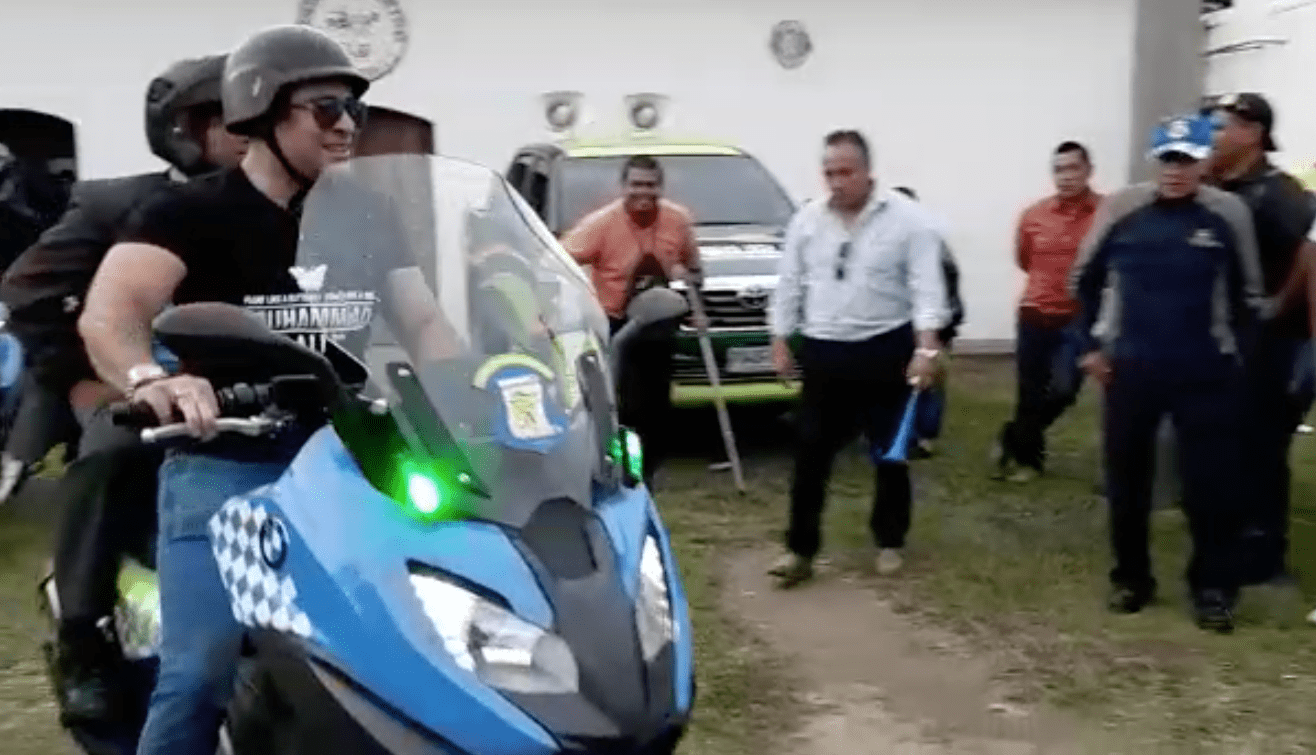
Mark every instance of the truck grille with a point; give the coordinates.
(689, 370)
(734, 309)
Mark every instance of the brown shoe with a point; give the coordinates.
(791, 570)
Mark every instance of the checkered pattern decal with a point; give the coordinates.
(243, 546)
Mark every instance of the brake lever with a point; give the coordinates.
(252, 427)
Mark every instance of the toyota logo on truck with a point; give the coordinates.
(754, 297)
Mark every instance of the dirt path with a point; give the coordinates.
(885, 685)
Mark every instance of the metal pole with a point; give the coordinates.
(710, 365)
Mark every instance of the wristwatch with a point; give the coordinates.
(928, 353)
(145, 373)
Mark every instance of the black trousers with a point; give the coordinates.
(1206, 405)
(850, 388)
(644, 391)
(108, 501)
(43, 421)
(1277, 400)
(1048, 383)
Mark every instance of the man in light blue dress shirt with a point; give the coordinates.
(862, 288)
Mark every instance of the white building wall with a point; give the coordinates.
(962, 99)
(1275, 55)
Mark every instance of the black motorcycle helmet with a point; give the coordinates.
(187, 89)
(262, 71)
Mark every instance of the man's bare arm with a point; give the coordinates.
(134, 283)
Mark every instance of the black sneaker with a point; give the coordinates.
(919, 450)
(1124, 599)
(87, 663)
(1214, 612)
(791, 570)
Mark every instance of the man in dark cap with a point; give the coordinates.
(1282, 213)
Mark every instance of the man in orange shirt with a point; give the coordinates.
(634, 243)
(1047, 346)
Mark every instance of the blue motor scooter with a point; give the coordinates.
(461, 559)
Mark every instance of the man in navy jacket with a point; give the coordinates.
(1180, 260)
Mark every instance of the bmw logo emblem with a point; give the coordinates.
(273, 543)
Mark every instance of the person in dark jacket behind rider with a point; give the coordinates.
(1282, 212)
(1181, 264)
(107, 496)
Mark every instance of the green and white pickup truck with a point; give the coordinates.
(740, 212)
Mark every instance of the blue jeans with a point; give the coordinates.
(1048, 380)
(200, 639)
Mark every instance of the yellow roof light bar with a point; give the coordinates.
(639, 147)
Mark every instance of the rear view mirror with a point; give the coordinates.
(656, 305)
(649, 308)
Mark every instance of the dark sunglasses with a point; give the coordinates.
(842, 255)
(328, 111)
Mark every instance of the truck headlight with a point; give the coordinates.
(503, 650)
(653, 609)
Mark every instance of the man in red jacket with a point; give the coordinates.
(1046, 244)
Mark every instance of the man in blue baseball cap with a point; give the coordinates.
(1180, 260)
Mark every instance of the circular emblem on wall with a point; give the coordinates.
(273, 539)
(790, 44)
(374, 32)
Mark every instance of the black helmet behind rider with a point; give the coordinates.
(179, 104)
(261, 74)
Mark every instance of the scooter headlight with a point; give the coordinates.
(491, 642)
(653, 610)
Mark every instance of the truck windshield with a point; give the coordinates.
(716, 189)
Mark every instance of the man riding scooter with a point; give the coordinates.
(107, 496)
(232, 237)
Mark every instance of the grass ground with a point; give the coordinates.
(1016, 569)
(1021, 570)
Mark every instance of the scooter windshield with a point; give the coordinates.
(480, 330)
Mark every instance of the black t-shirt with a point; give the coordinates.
(235, 241)
(1282, 212)
(241, 248)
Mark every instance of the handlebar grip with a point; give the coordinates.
(244, 399)
(130, 414)
(239, 400)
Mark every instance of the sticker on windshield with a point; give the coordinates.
(530, 418)
(571, 346)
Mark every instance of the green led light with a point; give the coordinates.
(634, 453)
(424, 494)
(615, 451)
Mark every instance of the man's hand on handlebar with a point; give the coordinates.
(187, 395)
